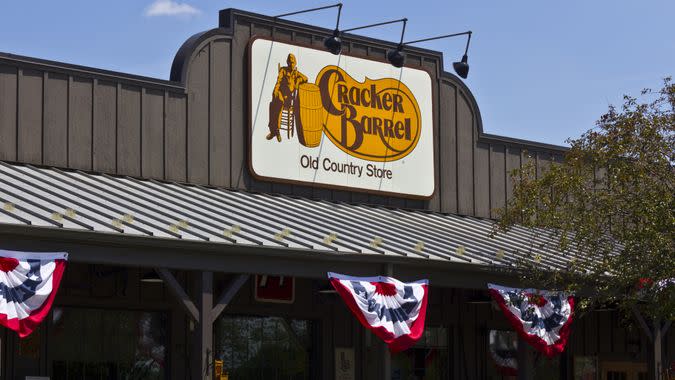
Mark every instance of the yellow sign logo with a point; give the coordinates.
(375, 120)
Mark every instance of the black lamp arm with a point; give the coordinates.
(339, 5)
(400, 42)
(403, 20)
(466, 50)
(337, 23)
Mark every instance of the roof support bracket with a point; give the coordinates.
(178, 291)
(228, 294)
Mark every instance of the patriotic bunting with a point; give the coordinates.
(28, 285)
(540, 317)
(504, 351)
(391, 309)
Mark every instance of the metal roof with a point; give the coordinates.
(76, 200)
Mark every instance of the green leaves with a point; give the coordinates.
(611, 203)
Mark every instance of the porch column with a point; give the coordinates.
(656, 362)
(656, 365)
(655, 334)
(203, 314)
(202, 351)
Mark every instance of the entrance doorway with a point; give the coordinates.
(270, 348)
(427, 360)
(623, 371)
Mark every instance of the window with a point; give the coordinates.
(269, 348)
(427, 360)
(107, 344)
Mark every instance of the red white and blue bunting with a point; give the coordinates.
(28, 285)
(541, 318)
(394, 311)
(503, 347)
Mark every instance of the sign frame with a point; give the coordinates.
(314, 185)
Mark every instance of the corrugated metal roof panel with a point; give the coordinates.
(76, 200)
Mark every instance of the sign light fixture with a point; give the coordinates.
(334, 44)
(397, 56)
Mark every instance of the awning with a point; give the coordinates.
(47, 197)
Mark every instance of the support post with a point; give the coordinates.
(656, 362)
(386, 354)
(177, 290)
(525, 360)
(655, 335)
(202, 352)
(228, 295)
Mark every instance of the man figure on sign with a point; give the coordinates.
(284, 93)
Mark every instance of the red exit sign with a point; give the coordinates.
(278, 289)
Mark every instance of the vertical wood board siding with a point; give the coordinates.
(198, 118)
(104, 131)
(80, 127)
(201, 136)
(30, 106)
(55, 138)
(447, 176)
(238, 107)
(498, 177)
(153, 134)
(175, 144)
(8, 114)
(465, 158)
(129, 130)
(219, 117)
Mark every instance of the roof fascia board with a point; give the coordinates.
(89, 72)
(101, 248)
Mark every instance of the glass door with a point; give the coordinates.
(270, 348)
(427, 360)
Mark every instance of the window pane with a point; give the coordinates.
(427, 360)
(107, 344)
(264, 347)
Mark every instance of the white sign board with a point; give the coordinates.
(344, 363)
(339, 121)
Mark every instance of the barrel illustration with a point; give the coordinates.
(311, 115)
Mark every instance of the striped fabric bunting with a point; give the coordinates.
(540, 317)
(394, 311)
(28, 285)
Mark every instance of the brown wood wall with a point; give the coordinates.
(78, 121)
(602, 334)
(199, 134)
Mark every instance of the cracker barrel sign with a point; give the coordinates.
(339, 121)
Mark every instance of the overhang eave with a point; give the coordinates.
(140, 251)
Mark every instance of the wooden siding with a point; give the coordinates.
(64, 119)
(603, 334)
(472, 172)
(197, 131)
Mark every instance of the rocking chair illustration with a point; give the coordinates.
(287, 117)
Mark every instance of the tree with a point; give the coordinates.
(609, 207)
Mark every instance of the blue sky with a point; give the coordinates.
(540, 70)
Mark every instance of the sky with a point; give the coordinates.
(540, 70)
